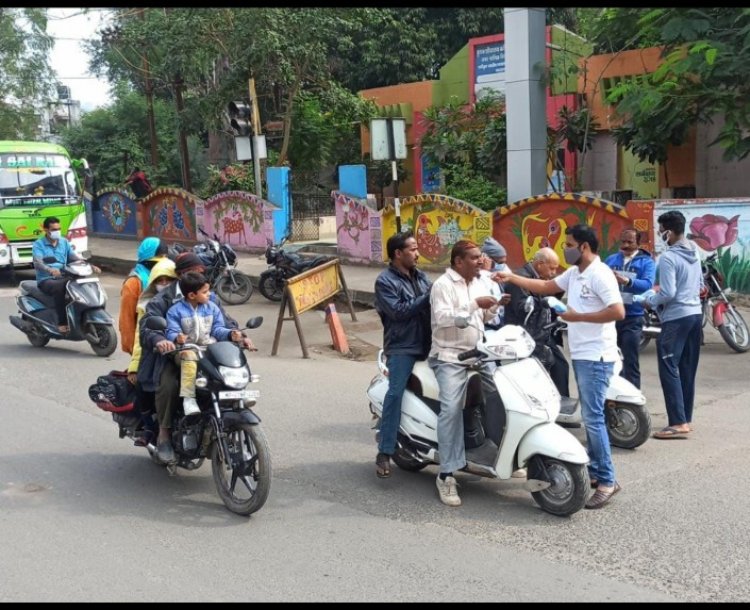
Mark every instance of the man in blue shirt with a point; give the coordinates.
(49, 275)
(635, 270)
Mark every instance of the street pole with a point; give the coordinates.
(396, 203)
(255, 116)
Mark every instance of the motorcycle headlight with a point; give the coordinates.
(236, 378)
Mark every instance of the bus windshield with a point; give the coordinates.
(29, 179)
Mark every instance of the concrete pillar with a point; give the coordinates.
(526, 102)
(277, 179)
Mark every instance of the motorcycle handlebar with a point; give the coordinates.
(472, 353)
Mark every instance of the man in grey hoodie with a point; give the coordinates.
(679, 307)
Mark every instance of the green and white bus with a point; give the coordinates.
(37, 180)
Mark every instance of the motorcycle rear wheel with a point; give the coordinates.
(734, 331)
(107, 343)
(569, 489)
(244, 484)
(629, 426)
(234, 291)
(271, 286)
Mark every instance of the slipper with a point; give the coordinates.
(670, 432)
(383, 463)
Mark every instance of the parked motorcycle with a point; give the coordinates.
(284, 264)
(87, 319)
(227, 432)
(555, 460)
(232, 286)
(628, 418)
(716, 307)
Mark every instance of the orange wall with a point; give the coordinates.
(598, 67)
(680, 164)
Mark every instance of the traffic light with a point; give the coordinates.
(239, 118)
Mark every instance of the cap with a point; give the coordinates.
(187, 260)
(493, 249)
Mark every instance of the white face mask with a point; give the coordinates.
(55, 235)
(160, 287)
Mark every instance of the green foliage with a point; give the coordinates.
(234, 177)
(465, 183)
(26, 79)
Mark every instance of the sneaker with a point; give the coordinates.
(190, 406)
(521, 473)
(448, 491)
(165, 452)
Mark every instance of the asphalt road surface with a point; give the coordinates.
(86, 516)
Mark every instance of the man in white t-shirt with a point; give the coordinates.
(594, 305)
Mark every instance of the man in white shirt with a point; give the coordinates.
(594, 305)
(459, 291)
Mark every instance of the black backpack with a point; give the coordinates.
(113, 392)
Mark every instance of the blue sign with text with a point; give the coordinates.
(489, 60)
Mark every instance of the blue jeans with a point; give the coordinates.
(593, 378)
(679, 347)
(629, 333)
(399, 369)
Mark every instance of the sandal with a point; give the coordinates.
(383, 463)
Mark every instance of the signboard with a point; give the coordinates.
(489, 61)
(306, 290)
(430, 175)
(388, 139)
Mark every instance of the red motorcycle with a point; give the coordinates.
(717, 309)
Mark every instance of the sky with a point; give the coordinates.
(70, 61)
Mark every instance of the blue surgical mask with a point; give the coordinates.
(499, 267)
(55, 235)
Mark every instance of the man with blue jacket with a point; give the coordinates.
(402, 300)
(635, 271)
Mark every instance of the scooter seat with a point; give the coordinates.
(27, 286)
(30, 288)
(568, 405)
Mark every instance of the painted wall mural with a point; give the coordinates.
(538, 222)
(113, 212)
(169, 213)
(239, 218)
(716, 226)
(438, 222)
(356, 231)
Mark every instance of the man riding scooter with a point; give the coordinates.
(543, 266)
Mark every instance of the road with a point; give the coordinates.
(85, 516)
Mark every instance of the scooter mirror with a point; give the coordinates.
(461, 322)
(254, 322)
(156, 323)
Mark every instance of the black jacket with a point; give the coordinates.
(515, 313)
(403, 304)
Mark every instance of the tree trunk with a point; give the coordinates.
(184, 156)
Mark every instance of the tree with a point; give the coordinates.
(26, 79)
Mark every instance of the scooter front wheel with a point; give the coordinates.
(106, 342)
(569, 485)
(629, 426)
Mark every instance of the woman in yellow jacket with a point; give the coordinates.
(162, 275)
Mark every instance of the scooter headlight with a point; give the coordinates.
(236, 378)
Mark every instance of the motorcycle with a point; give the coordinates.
(555, 460)
(232, 286)
(227, 432)
(716, 308)
(284, 264)
(85, 308)
(628, 418)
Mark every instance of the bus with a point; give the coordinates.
(37, 180)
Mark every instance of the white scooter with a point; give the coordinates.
(555, 460)
(628, 418)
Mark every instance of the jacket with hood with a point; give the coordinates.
(680, 280)
(645, 273)
(163, 268)
(136, 282)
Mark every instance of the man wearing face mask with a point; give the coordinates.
(494, 259)
(49, 275)
(679, 307)
(635, 272)
(594, 305)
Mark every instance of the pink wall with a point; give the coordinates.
(238, 218)
(358, 233)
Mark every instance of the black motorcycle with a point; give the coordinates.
(227, 432)
(232, 286)
(284, 264)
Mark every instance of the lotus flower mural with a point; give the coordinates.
(712, 232)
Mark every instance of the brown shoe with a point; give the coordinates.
(601, 497)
